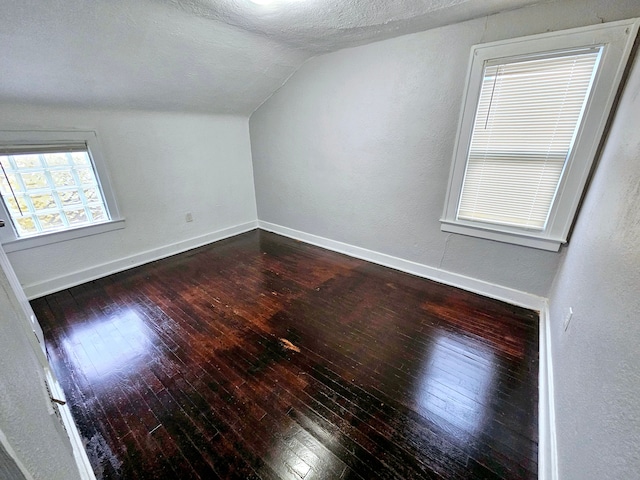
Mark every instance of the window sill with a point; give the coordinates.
(516, 238)
(62, 236)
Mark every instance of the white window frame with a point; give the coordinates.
(617, 39)
(8, 235)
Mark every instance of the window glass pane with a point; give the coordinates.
(62, 191)
(43, 201)
(62, 178)
(11, 203)
(98, 213)
(80, 158)
(69, 197)
(86, 176)
(76, 216)
(33, 181)
(10, 182)
(57, 159)
(51, 221)
(526, 121)
(27, 161)
(26, 226)
(91, 194)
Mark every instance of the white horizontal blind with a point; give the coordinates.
(525, 124)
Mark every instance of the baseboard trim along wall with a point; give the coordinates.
(547, 447)
(481, 287)
(40, 289)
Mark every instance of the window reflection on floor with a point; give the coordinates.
(108, 346)
(460, 398)
(302, 455)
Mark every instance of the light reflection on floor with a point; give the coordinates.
(302, 453)
(460, 400)
(108, 346)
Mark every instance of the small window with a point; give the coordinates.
(534, 114)
(47, 190)
(51, 188)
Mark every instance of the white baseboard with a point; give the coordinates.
(547, 448)
(40, 289)
(481, 287)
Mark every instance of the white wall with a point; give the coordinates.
(597, 360)
(162, 165)
(357, 145)
(27, 424)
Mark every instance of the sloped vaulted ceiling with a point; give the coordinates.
(216, 56)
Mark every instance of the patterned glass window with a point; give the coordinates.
(48, 190)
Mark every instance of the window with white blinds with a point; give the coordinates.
(524, 129)
(534, 113)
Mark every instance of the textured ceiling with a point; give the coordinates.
(219, 56)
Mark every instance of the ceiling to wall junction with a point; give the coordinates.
(213, 56)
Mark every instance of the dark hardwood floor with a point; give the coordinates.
(263, 357)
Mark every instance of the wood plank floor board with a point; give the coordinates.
(264, 357)
(361, 366)
(243, 358)
(340, 408)
(232, 394)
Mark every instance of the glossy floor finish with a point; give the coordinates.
(263, 357)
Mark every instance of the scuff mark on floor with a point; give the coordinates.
(288, 345)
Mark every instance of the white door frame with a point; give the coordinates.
(33, 331)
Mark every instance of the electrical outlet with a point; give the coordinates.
(188, 217)
(567, 318)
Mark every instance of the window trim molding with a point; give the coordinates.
(618, 39)
(62, 235)
(11, 242)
